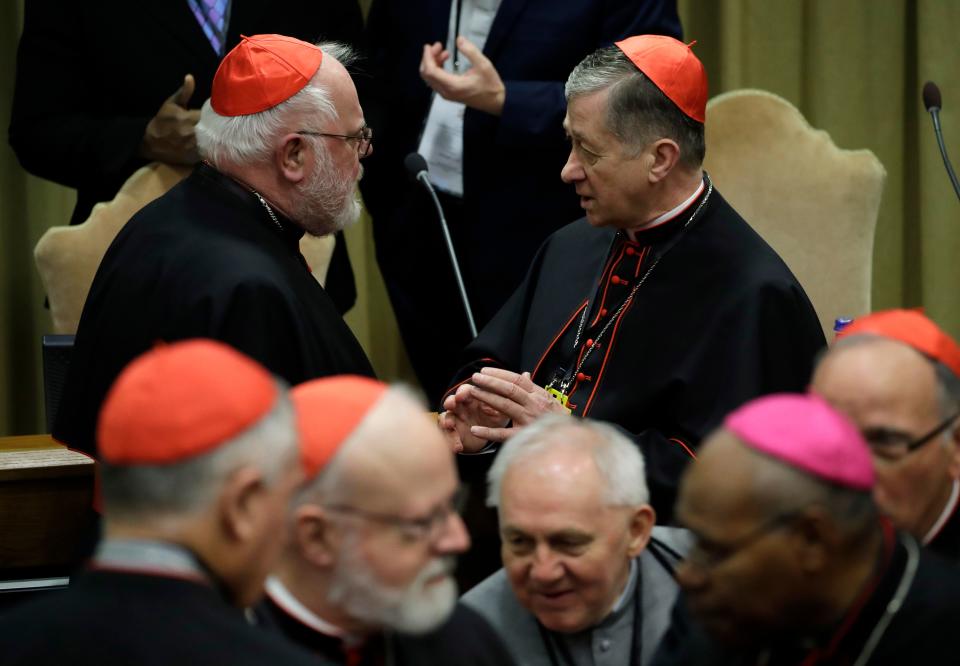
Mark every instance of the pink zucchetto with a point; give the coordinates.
(806, 433)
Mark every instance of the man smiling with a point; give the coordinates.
(583, 580)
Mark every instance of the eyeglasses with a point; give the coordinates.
(424, 528)
(709, 555)
(364, 139)
(893, 445)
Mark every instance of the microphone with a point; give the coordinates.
(932, 102)
(416, 167)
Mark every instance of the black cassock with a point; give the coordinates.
(923, 630)
(464, 639)
(719, 320)
(127, 619)
(946, 542)
(204, 260)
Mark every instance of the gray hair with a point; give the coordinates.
(638, 113)
(250, 138)
(331, 483)
(617, 458)
(147, 492)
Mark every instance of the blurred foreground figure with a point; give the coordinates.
(367, 576)
(792, 563)
(200, 462)
(586, 574)
(895, 375)
(218, 255)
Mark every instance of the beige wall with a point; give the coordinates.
(854, 68)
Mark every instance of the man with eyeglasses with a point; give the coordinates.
(217, 256)
(366, 577)
(792, 564)
(895, 374)
(587, 579)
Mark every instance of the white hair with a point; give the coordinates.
(145, 492)
(250, 138)
(617, 458)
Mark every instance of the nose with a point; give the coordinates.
(545, 568)
(454, 538)
(572, 171)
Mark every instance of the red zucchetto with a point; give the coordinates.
(182, 400)
(262, 71)
(672, 67)
(328, 411)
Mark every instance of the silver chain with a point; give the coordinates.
(269, 210)
(616, 315)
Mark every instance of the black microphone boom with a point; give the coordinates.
(416, 168)
(932, 101)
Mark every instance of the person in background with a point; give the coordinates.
(791, 562)
(367, 575)
(217, 256)
(131, 77)
(587, 579)
(895, 375)
(200, 459)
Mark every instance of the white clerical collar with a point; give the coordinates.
(283, 598)
(948, 510)
(627, 589)
(669, 215)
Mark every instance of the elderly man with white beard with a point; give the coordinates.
(217, 256)
(366, 577)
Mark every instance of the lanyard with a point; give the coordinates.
(635, 640)
(456, 32)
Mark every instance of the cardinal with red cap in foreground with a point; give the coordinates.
(661, 310)
(792, 563)
(366, 577)
(896, 374)
(218, 255)
(200, 459)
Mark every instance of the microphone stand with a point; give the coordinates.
(935, 114)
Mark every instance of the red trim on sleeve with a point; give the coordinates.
(684, 446)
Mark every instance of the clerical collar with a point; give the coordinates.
(146, 556)
(945, 515)
(292, 606)
(671, 214)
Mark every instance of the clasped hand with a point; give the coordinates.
(492, 407)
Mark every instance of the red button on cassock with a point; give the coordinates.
(615, 279)
(603, 312)
(631, 251)
(581, 376)
(590, 342)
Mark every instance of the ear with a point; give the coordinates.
(291, 157)
(953, 468)
(815, 532)
(316, 535)
(242, 504)
(641, 525)
(665, 154)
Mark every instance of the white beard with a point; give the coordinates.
(415, 609)
(328, 202)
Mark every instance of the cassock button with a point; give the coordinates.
(581, 377)
(615, 279)
(589, 342)
(631, 252)
(603, 312)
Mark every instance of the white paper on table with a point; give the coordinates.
(442, 145)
